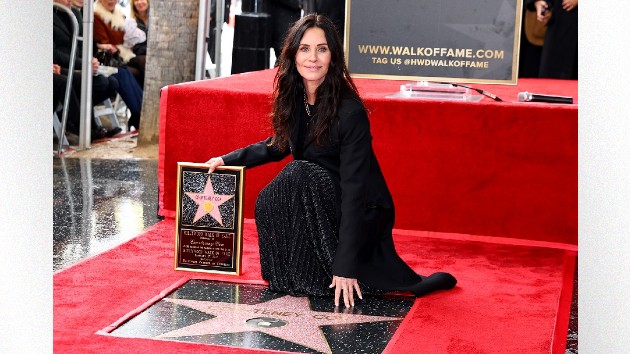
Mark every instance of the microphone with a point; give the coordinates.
(535, 97)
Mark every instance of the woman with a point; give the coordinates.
(102, 87)
(559, 57)
(109, 33)
(282, 14)
(326, 220)
(140, 13)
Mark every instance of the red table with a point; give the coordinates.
(490, 168)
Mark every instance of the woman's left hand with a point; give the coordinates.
(569, 5)
(214, 163)
(347, 286)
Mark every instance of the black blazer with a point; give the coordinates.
(62, 39)
(357, 176)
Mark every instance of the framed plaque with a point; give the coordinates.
(209, 218)
(428, 40)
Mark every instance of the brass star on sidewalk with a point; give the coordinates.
(288, 317)
(208, 202)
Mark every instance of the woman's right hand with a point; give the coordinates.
(214, 163)
(542, 11)
(95, 65)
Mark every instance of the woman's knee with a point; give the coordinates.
(301, 169)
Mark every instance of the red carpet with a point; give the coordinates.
(509, 298)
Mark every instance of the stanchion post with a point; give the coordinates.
(85, 135)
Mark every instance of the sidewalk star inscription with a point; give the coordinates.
(298, 323)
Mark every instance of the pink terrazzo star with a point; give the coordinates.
(302, 323)
(208, 202)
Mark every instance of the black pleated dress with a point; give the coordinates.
(299, 216)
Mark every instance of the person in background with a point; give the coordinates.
(335, 10)
(531, 44)
(102, 87)
(77, 8)
(73, 120)
(78, 4)
(283, 13)
(325, 221)
(559, 57)
(213, 26)
(109, 33)
(140, 13)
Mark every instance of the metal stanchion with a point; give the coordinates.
(202, 34)
(85, 135)
(217, 42)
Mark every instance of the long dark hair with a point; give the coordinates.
(289, 86)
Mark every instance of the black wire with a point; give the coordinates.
(485, 93)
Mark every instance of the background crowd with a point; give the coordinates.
(548, 47)
(119, 41)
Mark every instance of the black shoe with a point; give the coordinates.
(99, 133)
(113, 131)
(73, 139)
(435, 281)
(72, 129)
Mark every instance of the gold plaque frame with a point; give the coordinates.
(209, 218)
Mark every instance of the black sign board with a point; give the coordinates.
(447, 40)
(209, 219)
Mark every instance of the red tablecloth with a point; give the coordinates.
(487, 168)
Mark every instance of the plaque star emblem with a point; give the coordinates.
(208, 202)
(299, 324)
